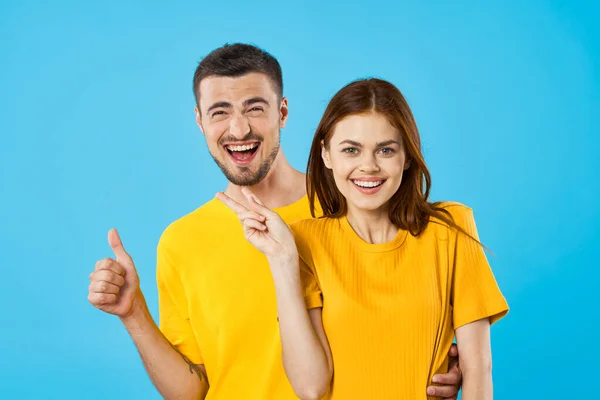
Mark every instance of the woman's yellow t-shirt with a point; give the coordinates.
(390, 309)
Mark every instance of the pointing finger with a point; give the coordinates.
(255, 202)
(251, 215)
(231, 203)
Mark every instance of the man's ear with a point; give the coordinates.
(198, 119)
(283, 112)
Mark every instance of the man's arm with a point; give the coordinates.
(115, 289)
(173, 375)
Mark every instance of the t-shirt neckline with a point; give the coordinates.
(372, 247)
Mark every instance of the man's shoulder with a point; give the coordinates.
(196, 223)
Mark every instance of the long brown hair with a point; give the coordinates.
(409, 207)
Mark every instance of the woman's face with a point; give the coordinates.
(367, 157)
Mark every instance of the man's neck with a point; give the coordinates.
(282, 186)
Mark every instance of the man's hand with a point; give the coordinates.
(114, 284)
(450, 382)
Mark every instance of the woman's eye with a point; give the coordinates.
(350, 150)
(387, 151)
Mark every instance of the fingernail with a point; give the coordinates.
(430, 391)
(435, 379)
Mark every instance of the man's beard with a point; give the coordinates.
(243, 175)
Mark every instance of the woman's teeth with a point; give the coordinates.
(368, 184)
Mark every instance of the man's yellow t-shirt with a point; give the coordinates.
(217, 302)
(390, 309)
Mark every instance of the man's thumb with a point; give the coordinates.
(114, 240)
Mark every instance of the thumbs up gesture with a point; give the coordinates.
(114, 284)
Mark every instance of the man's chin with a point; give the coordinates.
(243, 176)
(246, 175)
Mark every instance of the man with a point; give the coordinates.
(218, 317)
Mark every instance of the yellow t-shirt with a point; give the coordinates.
(217, 302)
(390, 309)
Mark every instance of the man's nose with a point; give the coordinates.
(238, 126)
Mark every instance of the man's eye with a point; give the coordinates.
(255, 109)
(218, 113)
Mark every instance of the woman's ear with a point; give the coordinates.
(325, 155)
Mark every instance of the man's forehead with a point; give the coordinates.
(235, 89)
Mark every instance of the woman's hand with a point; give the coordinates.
(263, 227)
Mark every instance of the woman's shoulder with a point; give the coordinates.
(460, 214)
(458, 211)
(311, 235)
(313, 228)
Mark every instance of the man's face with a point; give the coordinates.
(241, 118)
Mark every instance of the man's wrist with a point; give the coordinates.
(138, 319)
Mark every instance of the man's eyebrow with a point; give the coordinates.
(219, 104)
(254, 100)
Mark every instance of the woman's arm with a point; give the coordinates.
(474, 345)
(306, 353)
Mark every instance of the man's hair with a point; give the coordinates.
(234, 60)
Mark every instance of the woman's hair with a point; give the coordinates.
(409, 208)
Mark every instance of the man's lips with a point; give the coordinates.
(241, 146)
(242, 153)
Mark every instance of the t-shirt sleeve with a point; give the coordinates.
(310, 286)
(308, 276)
(172, 306)
(475, 292)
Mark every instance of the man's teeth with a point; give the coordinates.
(368, 184)
(244, 147)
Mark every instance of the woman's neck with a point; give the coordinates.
(372, 226)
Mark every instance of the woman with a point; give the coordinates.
(371, 295)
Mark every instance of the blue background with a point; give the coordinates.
(97, 130)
